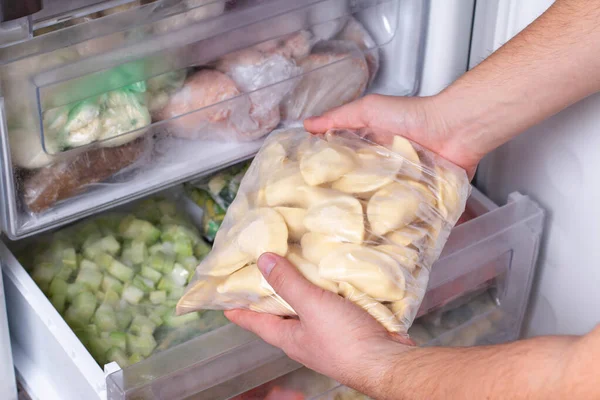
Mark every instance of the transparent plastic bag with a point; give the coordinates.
(363, 220)
(338, 75)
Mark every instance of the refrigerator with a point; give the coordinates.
(64, 61)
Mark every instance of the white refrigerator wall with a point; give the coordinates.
(556, 163)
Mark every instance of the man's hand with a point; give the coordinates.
(416, 118)
(332, 335)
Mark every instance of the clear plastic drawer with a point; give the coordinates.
(122, 105)
(494, 253)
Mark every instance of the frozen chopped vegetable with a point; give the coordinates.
(375, 218)
(102, 275)
(100, 118)
(215, 195)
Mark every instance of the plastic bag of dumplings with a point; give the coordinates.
(360, 219)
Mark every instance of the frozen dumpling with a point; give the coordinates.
(310, 270)
(283, 188)
(341, 217)
(324, 162)
(376, 168)
(370, 271)
(316, 246)
(248, 281)
(226, 260)
(377, 310)
(294, 219)
(392, 207)
(262, 230)
(405, 256)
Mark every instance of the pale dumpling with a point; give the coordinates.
(262, 230)
(370, 271)
(403, 147)
(315, 246)
(325, 162)
(283, 187)
(273, 304)
(246, 281)
(392, 207)
(406, 236)
(225, 260)
(377, 310)
(376, 168)
(405, 256)
(341, 218)
(294, 219)
(448, 194)
(310, 270)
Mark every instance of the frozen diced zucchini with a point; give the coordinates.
(151, 274)
(121, 271)
(117, 355)
(133, 228)
(89, 277)
(143, 345)
(110, 283)
(133, 295)
(158, 297)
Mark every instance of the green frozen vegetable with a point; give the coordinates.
(116, 279)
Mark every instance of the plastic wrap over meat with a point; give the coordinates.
(354, 31)
(238, 101)
(363, 220)
(70, 176)
(334, 74)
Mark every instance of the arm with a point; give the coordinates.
(337, 338)
(548, 66)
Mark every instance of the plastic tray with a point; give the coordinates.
(230, 361)
(113, 54)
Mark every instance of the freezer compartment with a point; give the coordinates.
(90, 122)
(229, 361)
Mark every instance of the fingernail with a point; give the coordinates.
(266, 263)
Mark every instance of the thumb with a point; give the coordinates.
(289, 283)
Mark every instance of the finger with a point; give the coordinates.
(274, 330)
(290, 284)
(353, 115)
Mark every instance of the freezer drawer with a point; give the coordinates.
(124, 105)
(497, 248)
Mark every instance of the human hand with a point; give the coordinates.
(332, 335)
(420, 119)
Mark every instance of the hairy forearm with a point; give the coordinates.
(548, 66)
(552, 367)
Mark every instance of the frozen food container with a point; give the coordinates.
(497, 248)
(119, 105)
